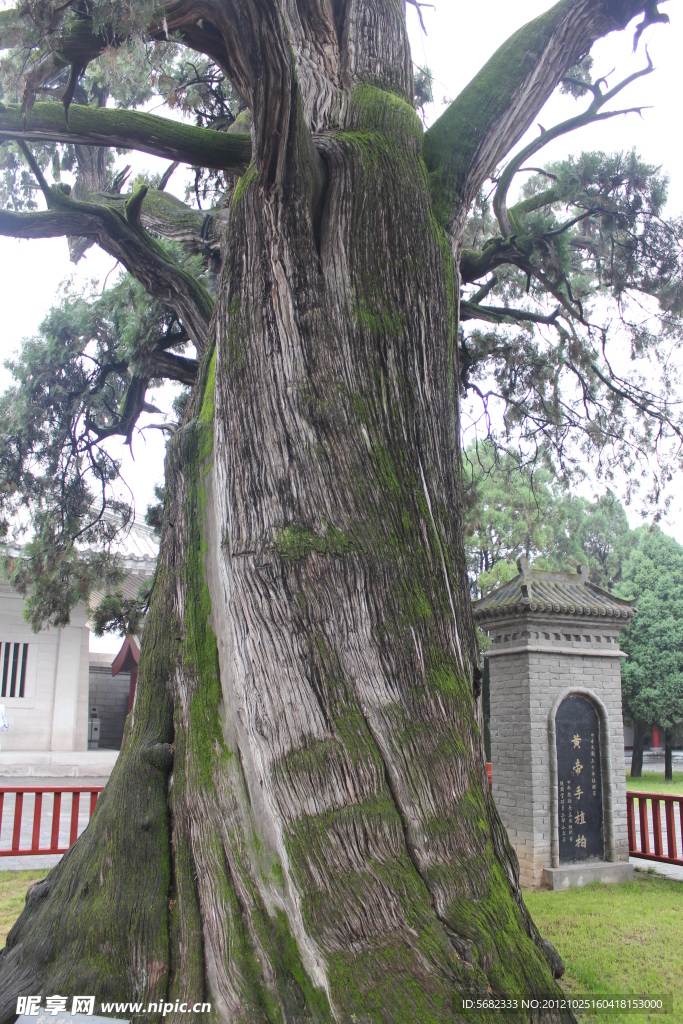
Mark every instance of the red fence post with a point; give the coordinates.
(56, 815)
(670, 827)
(657, 826)
(93, 801)
(644, 827)
(631, 820)
(18, 807)
(75, 802)
(37, 811)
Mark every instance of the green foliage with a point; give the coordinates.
(513, 509)
(424, 89)
(652, 677)
(57, 576)
(507, 511)
(154, 516)
(117, 614)
(81, 382)
(18, 187)
(580, 73)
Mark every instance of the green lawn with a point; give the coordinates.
(617, 939)
(13, 886)
(653, 782)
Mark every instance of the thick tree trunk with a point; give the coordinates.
(299, 826)
(637, 753)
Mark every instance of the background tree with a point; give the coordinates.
(512, 508)
(652, 677)
(303, 771)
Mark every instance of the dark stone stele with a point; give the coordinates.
(579, 781)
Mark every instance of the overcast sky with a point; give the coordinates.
(460, 38)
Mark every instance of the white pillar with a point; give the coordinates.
(67, 676)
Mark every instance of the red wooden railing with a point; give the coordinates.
(39, 792)
(642, 848)
(489, 773)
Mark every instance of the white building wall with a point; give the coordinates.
(82, 711)
(29, 717)
(34, 721)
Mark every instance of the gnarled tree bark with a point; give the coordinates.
(299, 825)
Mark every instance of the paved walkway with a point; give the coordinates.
(670, 870)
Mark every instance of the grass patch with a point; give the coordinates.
(13, 886)
(617, 939)
(653, 782)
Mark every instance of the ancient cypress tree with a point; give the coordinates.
(298, 826)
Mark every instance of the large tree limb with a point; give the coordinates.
(174, 367)
(246, 38)
(161, 213)
(249, 40)
(118, 232)
(492, 113)
(128, 129)
(498, 252)
(198, 231)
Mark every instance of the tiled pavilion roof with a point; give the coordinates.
(551, 593)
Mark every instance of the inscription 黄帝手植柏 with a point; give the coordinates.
(579, 782)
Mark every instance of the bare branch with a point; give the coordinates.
(591, 115)
(166, 176)
(418, 7)
(503, 315)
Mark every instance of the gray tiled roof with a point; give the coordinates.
(551, 593)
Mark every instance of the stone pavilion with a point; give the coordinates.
(557, 744)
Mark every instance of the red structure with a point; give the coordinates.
(640, 845)
(39, 792)
(127, 661)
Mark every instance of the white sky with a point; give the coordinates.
(460, 37)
